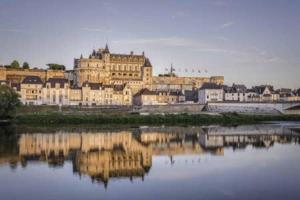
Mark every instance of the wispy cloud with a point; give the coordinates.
(103, 30)
(222, 51)
(220, 3)
(227, 25)
(167, 41)
(256, 55)
(13, 30)
(222, 38)
(180, 14)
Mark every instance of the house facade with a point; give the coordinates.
(210, 92)
(158, 97)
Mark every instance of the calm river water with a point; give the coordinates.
(213, 162)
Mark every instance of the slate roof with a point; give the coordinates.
(211, 86)
(60, 81)
(93, 86)
(146, 91)
(260, 89)
(191, 95)
(32, 80)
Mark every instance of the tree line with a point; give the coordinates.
(16, 65)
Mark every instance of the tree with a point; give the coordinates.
(54, 66)
(15, 64)
(9, 101)
(25, 65)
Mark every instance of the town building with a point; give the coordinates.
(30, 90)
(210, 92)
(235, 93)
(239, 93)
(58, 91)
(94, 94)
(158, 97)
(264, 93)
(287, 95)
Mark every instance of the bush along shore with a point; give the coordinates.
(136, 119)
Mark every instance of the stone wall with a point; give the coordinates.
(255, 108)
(177, 108)
(17, 75)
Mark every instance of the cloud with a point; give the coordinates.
(180, 14)
(227, 25)
(222, 51)
(192, 44)
(220, 3)
(13, 30)
(222, 38)
(167, 41)
(103, 30)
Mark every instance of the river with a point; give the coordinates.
(206, 162)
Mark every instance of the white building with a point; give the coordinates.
(56, 92)
(239, 93)
(30, 90)
(210, 92)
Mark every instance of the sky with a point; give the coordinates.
(248, 42)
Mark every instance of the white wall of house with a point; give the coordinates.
(210, 95)
(239, 97)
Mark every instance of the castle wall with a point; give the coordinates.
(17, 75)
(183, 83)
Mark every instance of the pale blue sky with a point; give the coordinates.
(250, 42)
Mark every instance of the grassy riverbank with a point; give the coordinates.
(132, 119)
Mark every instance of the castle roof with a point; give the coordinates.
(106, 50)
(147, 63)
(32, 80)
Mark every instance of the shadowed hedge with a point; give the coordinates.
(226, 118)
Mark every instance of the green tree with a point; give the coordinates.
(25, 65)
(15, 64)
(54, 66)
(9, 101)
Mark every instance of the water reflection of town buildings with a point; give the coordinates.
(259, 136)
(105, 155)
(99, 155)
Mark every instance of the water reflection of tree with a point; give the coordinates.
(9, 151)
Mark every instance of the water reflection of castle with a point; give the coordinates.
(105, 155)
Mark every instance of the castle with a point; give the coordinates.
(100, 79)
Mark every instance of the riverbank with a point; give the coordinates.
(136, 119)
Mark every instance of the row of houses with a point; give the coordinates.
(210, 92)
(58, 91)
